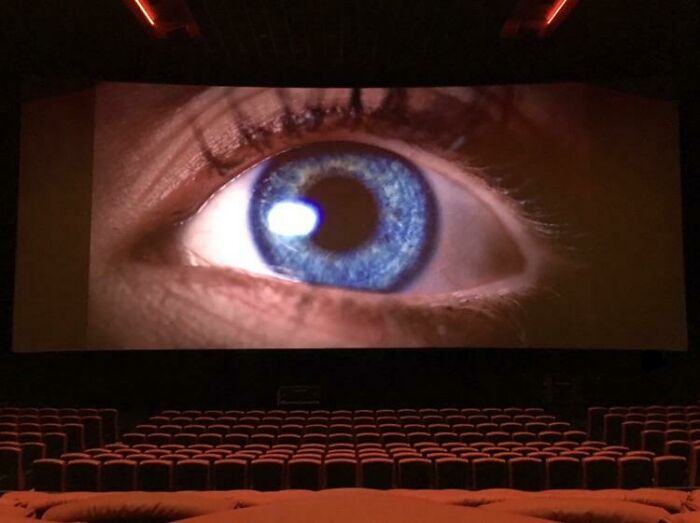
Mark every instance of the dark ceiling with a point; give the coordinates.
(355, 42)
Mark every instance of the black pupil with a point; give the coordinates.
(349, 211)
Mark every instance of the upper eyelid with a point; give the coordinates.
(206, 122)
(215, 135)
(234, 132)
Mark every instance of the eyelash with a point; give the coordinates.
(424, 127)
(393, 116)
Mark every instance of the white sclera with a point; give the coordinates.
(219, 233)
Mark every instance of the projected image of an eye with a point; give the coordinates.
(344, 215)
(356, 216)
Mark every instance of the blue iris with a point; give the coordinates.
(343, 214)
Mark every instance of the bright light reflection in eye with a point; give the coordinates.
(293, 218)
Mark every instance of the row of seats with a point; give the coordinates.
(505, 451)
(241, 438)
(370, 471)
(296, 428)
(83, 427)
(355, 420)
(449, 411)
(632, 433)
(605, 422)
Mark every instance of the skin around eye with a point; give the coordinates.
(152, 175)
(469, 246)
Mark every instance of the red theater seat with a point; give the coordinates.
(676, 434)
(511, 427)
(632, 434)
(11, 472)
(83, 475)
(612, 428)
(535, 427)
(184, 438)
(497, 436)
(452, 473)
(678, 448)
(599, 473)
(106, 456)
(267, 474)
(653, 441)
(377, 473)
(415, 473)
(563, 472)
(198, 428)
(550, 436)
(118, 475)
(165, 429)
(526, 473)
(75, 436)
(655, 425)
(191, 474)
(31, 452)
(489, 473)
(132, 438)
(524, 437)
(559, 426)
(93, 431)
(211, 439)
(670, 471)
(159, 438)
(340, 472)
(635, 472)
(304, 473)
(367, 437)
(484, 428)
(70, 456)
(230, 474)
(56, 444)
(155, 475)
(110, 424)
(48, 475)
(148, 428)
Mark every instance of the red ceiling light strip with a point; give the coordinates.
(553, 11)
(149, 17)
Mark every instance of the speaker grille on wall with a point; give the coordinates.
(298, 395)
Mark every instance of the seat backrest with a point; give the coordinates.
(377, 473)
(118, 475)
(563, 472)
(415, 473)
(670, 471)
(526, 473)
(267, 474)
(489, 473)
(155, 475)
(83, 475)
(635, 472)
(230, 474)
(304, 473)
(48, 475)
(11, 472)
(451, 472)
(191, 474)
(599, 472)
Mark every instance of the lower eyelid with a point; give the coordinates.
(222, 306)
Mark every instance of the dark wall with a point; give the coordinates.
(565, 381)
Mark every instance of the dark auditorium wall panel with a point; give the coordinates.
(51, 284)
